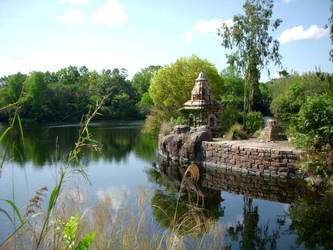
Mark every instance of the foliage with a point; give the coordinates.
(229, 117)
(155, 119)
(70, 92)
(236, 132)
(231, 98)
(252, 47)
(171, 86)
(68, 233)
(179, 120)
(233, 90)
(141, 80)
(312, 129)
(289, 93)
(254, 122)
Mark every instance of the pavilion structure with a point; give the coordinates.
(202, 109)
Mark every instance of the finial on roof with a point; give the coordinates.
(202, 76)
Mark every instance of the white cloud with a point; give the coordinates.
(210, 26)
(72, 17)
(298, 33)
(112, 14)
(73, 2)
(207, 26)
(288, 1)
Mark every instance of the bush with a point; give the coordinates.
(179, 120)
(312, 130)
(254, 122)
(229, 117)
(236, 132)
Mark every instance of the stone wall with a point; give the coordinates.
(186, 144)
(251, 160)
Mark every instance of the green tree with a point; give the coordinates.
(252, 47)
(141, 80)
(35, 93)
(171, 86)
(15, 85)
(289, 93)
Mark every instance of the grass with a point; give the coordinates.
(106, 228)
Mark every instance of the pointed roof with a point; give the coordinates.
(201, 96)
(201, 77)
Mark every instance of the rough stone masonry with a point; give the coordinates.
(185, 144)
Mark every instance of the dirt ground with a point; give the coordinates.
(259, 143)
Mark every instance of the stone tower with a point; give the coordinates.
(202, 109)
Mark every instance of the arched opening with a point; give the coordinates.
(212, 121)
(191, 121)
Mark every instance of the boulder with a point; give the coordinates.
(184, 143)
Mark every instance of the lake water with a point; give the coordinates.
(254, 212)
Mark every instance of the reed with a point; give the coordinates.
(68, 221)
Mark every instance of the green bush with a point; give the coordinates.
(312, 130)
(236, 132)
(254, 122)
(229, 117)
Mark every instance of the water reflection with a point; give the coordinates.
(309, 216)
(249, 233)
(193, 211)
(312, 220)
(48, 144)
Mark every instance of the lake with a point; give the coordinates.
(254, 212)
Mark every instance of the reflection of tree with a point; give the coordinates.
(43, 144)
(252, 235)
(312, 218)
(193, 211)
(146, 147)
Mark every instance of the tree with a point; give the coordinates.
(252, 47)
(35, 92)
(331, 30)
(171, 86)
(15, 85)
(141, 80)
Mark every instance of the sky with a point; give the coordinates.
(40, 35)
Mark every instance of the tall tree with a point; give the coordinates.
(252, 47)
(331, 30)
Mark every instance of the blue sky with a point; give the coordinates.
(132, 34)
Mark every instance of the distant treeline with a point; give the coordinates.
(69, 93)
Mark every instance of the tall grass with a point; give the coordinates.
(125, 228)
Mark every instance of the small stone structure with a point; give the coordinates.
(273, 132)
(202, 109)
(187, 144)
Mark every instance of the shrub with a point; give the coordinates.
(312, 130)
(179, 120)
(236, 132)
(254, 122)
(229, 117)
